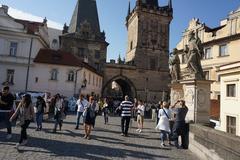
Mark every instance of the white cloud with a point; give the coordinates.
(15, 13)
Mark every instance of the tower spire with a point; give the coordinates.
(85, 11)
(170, 3)
(129, 8)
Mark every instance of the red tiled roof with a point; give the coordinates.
(59, 57)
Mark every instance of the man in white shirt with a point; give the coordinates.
(81, 105)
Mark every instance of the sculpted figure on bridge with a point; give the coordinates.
(174, 63)
(194, 52)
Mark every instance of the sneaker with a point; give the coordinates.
(37, 129)
(9, 136)
(88, 137)
(122, 134)
(85, 136)
(17, 146)
(162, 144)
(140, 131)
(76, 128)
(137, 130)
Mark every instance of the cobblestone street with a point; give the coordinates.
(106, 143)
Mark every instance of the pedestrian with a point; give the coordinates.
(25, 113)
(6, 108)
(179, 127)
(89, 117)
(39, 112)
(140, 115)
(58, 112)
(159, 106)
(105, 111)
(164, 116)
(81, 105)
(126, 109)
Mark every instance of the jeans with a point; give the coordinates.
(125, 124)
(105, 117)
(5, 116)
(39, 119)
(163, 135)
(179, 129)
(58, 121)
(24, 131)
(79, 114)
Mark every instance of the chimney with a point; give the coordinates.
(5, 8)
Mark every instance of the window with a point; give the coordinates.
(89, 78)
(131, 45)
(207, 75)
(207, 53)
(152, 64)
(81, 52)
(36, 79)
(97, 54)
(71, 76)
(54, 74)
(97, 66)
(13, 48)
(231, 90)
(231, 125)
(223, 50)
(10, 76)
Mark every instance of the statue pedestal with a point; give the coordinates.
(196, 94)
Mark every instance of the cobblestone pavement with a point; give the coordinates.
(106, 143)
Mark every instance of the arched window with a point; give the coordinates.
(71, 76)
(54, 74)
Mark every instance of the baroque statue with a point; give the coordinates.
(174, 63)
(194, 53)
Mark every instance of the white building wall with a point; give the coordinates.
(62, 85)
(230, 106)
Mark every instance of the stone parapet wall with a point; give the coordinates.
(210, 144)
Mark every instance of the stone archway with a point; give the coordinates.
(126, 87)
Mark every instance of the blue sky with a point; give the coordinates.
(112, 14)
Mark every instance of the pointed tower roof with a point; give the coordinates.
(85, 10)
(170, 4)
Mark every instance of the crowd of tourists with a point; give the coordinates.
(170, 118)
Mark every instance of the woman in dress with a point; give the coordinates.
(164, 116)
(58, 112)
(89, 117)
(25, 114)
(140, 115)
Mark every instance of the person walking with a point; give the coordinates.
(81, 105)
(6, 108)
(126, 110)
(164, 116)
(39, 111)
(105, 111)
(58, 112)
(89, 115)
(140, 115)
(25, 115)
(179, 127)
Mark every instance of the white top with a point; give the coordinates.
(141, 109)
(163, 123)
(82, 104)
(59, 104)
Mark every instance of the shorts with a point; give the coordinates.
(140, 119)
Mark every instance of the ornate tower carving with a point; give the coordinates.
(148, 27)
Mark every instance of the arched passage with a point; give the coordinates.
(118, 87)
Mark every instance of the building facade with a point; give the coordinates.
(56, 71)
(30, 60)
(220, 47)
(145, 75)
(83, 37)
(230, 98)
(20, 42)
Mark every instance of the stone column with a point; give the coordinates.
(197, 98)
